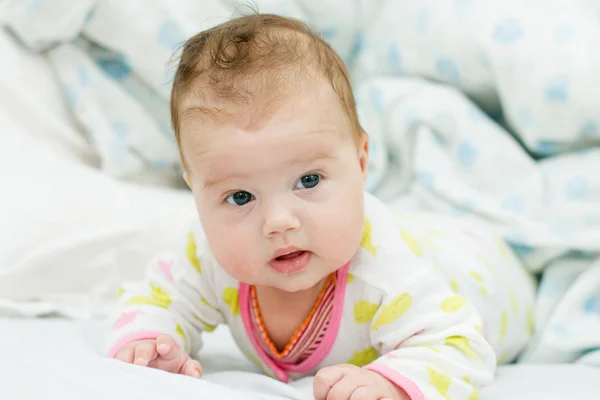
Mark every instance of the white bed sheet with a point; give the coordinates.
(59, 359)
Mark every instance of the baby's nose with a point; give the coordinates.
(278, 220)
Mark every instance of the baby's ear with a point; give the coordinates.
(363, 153)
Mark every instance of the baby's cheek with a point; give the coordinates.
(349, 238)
(235, 255)
(338, 232)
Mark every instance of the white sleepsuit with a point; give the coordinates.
(427, 301)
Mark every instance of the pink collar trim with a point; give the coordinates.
(321, 352)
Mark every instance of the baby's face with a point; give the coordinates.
(280, 200)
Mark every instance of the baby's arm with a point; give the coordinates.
(424, 341)
(429, 340)
(159, 321)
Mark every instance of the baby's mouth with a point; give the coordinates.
(292, 262)
(290, 255)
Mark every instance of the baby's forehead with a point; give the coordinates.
(250, 140)
(217, 111)
(239, 158)
(311, 100)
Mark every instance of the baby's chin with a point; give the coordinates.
(306, 280)
(295, 287)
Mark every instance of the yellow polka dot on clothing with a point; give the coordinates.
(207, 304)
(483, 290)
(363, 357)
(504, 249)
(412, 243)
(350, 278)
(484, 261)
(120, 292)
(462, 343)
(159, 294)
(207, 327)
(475, 394)
(503, 325)
(454, 286)
(434, 349)
(364, 311)
(503, 358)
(157, 298)
(530, 321)
(513, 301)
(367, 239)
(429, 244)
(253, 358)
(230, 297)
(476, 276)
(191, 252)
(179, 331)
(439, 380)
(393, 310)
(453, 303)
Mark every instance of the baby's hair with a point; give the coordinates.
(255, 56)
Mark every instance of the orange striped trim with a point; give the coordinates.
(299, 331)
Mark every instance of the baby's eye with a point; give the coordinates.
(308, 181)
(239, 198)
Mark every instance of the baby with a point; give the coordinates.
(312, 275)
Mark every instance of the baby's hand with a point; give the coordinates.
(163, 353)
(348, 382)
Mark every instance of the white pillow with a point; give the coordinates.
(69, 233)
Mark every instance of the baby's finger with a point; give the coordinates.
(325, 379)
(125, 354)
(167, 347)
(366, 393)
(191, 368)
(144, 353)
(344, 389)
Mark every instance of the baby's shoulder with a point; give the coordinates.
(388, 252)
(198, 253)
(386, 237)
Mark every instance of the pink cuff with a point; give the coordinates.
(132, 338)
(411, 389)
